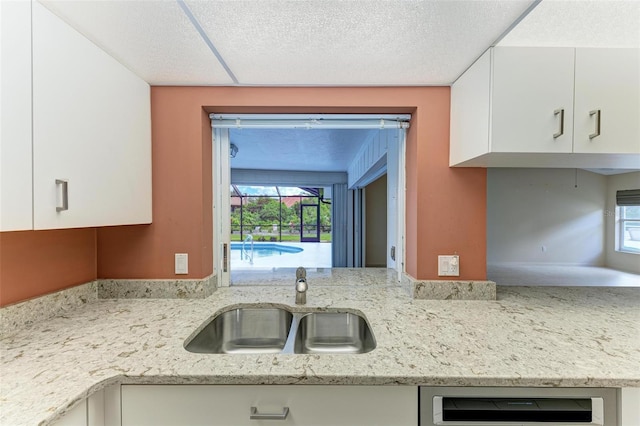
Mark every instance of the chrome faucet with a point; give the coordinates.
(301, 286)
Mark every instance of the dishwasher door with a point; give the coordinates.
(501, 406)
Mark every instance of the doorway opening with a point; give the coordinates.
(332, 158)
(376, 223)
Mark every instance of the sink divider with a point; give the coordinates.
(289, 345)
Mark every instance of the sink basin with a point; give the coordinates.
(256, 330)
(244, 330)
(333, 332)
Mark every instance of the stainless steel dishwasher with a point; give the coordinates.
(503, 406)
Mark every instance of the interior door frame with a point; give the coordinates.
(221, 176)
(221, 206)
(400, 249)
(357, 229)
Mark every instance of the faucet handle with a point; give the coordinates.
(301, 273)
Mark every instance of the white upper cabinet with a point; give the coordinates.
(540, 106)
(532, 90)
(15, 116)
(91, 132)
(75, 146)
(607, 99)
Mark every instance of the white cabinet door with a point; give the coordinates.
(607, 84)
(102, 408)
(531, 88)
(630, 407)
(548, 101)
(470, 112)
(91, 128)
(187, 405)
(77, 416)
(15, 116)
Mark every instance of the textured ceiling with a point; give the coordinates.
(579, 24)
(293, 42)
(154, 39)
(294, 149)
(328, 42)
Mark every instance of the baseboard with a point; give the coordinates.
(157, 289)
(23, 314)
(449, 289)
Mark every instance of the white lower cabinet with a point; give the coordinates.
(629, 407)
(231, 405)
(102, 408)
(77, 416)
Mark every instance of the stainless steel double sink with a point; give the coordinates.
(254, 329)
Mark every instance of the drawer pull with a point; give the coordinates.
(268, 416)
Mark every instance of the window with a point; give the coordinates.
(628, 220)
(630, 228)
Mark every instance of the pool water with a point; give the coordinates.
(266, 250)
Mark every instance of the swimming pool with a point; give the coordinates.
(267, 249)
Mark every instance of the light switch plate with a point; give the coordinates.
(182, 263)
(449, 266)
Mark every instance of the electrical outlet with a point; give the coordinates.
(182, 263)
(449, 266)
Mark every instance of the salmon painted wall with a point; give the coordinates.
(34, 263)
(451, 202)
(182, 199)
(445, 207)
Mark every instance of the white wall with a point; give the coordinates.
(539, 216)
(371, 161)
(618, 260)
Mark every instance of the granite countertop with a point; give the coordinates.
(530, 336)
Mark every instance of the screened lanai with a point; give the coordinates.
(279, 213)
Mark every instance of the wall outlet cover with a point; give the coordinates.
(182, 263)
(449, 266)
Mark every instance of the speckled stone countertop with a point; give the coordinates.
(530, 336)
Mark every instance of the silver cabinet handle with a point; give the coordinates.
(64, 204)
(561, 132)
(268, 416)
(597, 113)
(225, 257)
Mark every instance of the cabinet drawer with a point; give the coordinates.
(231, 405)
